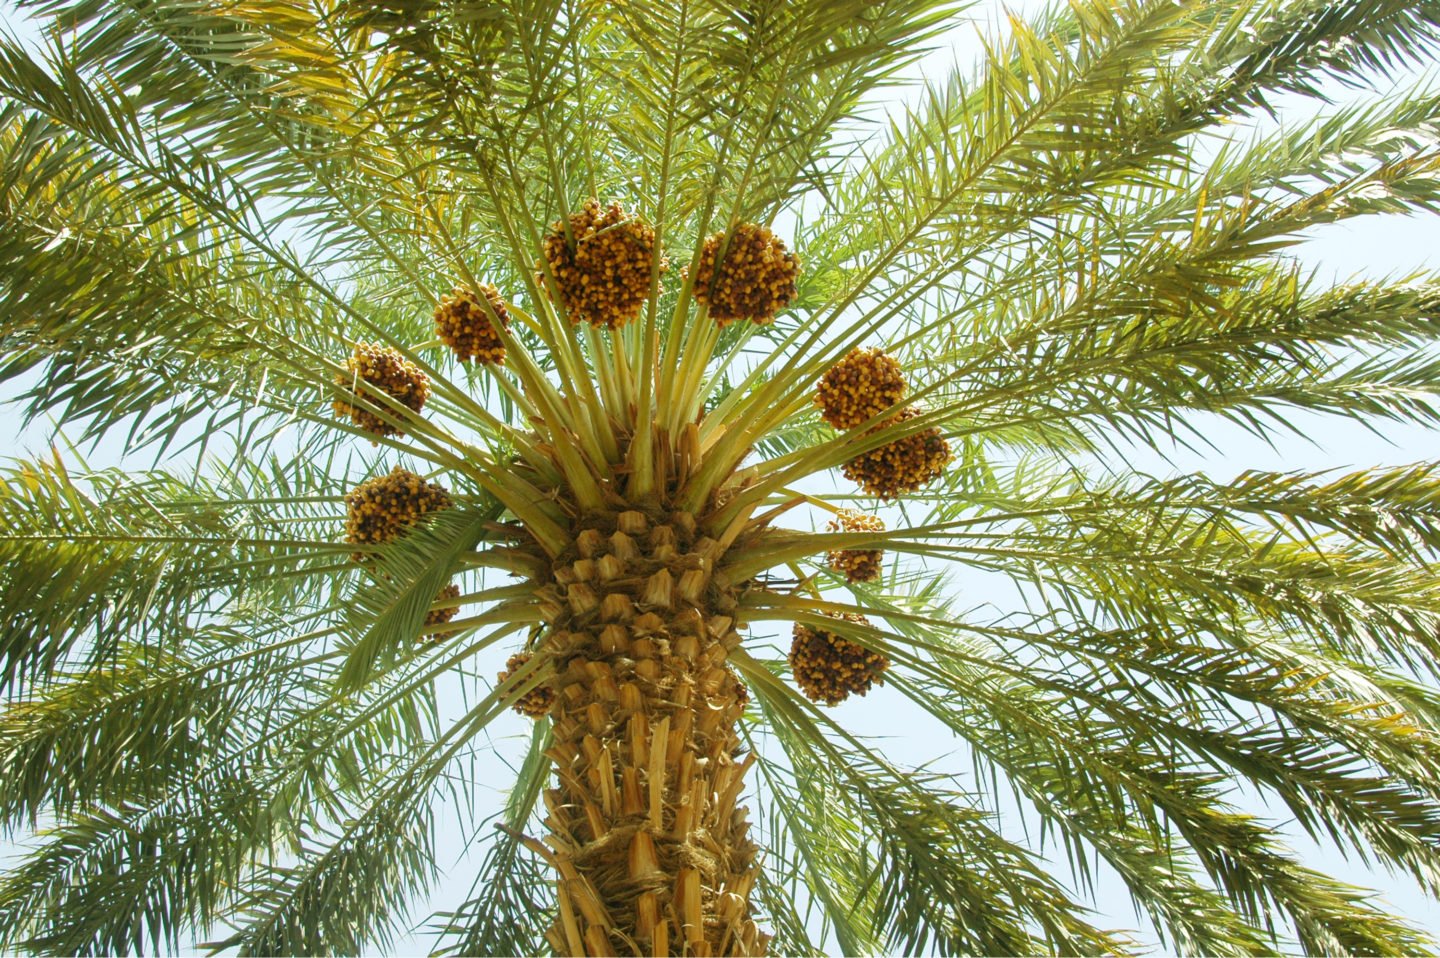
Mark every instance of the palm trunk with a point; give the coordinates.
(652, 854)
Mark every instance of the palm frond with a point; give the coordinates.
(985, 906)
(507, 911)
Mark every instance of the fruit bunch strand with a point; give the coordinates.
(754, 280)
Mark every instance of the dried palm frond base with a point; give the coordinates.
(857, 565)
(605, 277)
(535, 702)
(462, 324)
(863, 384)
(755, 281)
(442, 615)
(650, 845)
(903, 466)
(373, 369)
(379, 510)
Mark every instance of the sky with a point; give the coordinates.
(1370, 247)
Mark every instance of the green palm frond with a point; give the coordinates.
(985, 905)
(229, 721)
(507, 911)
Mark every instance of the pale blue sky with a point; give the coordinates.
(1372, 247)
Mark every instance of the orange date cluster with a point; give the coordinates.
(863, 384)
(442, 615)
(906, 465)
(535, 702)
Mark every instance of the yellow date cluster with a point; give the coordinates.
(462, 324)
(603, 277)
(755, 280)
(381, 509)
(829, 668)
(857, 565)
(535, 702)
(373, 369)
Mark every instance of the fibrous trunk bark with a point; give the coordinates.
(651, 849)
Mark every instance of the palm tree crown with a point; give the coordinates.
(603, 340)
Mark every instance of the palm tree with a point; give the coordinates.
(605, 339)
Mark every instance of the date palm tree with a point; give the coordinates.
(612, 341)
